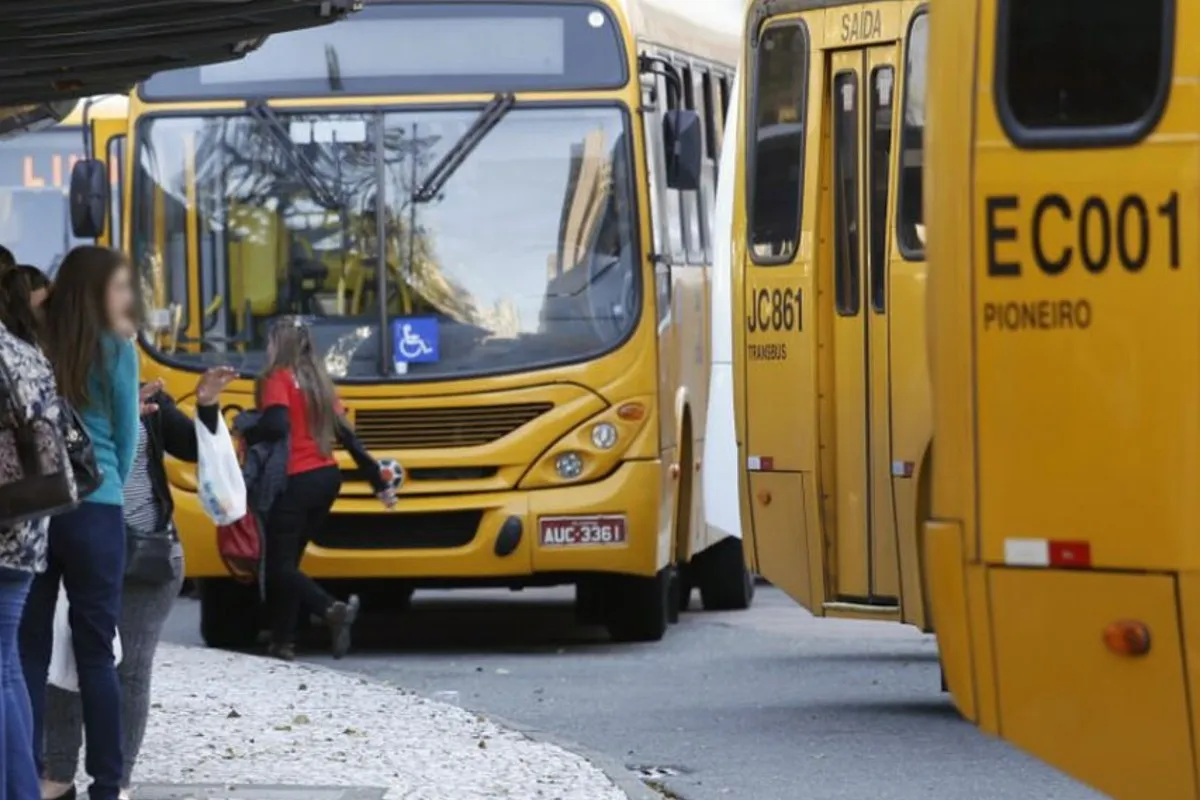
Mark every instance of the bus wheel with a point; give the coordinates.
(687, 582)
(228, 613)
(640, 609)
(725, 583)
(589, 601)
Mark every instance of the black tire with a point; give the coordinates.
(640, 609)
(590, 602)
(229, 614)
(687, 583)
(384, 596)
(674, 595)
(725, 583)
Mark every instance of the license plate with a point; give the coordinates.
(602, 529)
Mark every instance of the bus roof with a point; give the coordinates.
(707, 28)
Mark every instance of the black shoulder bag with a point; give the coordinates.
(83, 456)
(148, 554)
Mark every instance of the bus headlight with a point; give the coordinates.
(595, 446)
(604, 435)
(569, 465)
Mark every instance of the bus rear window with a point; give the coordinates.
(1078, 69)
(419, 48)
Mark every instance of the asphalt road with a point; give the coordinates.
(767, 704)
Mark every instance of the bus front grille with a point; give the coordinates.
(436, 428)
(431, 530)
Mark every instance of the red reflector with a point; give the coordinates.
(766, 463)
(1070, 555)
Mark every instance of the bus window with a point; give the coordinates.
(116, 175)
(883, 81)
(845, 192)
(712, 132)
(1075, 65)
(777, 147)
(676, 247)
(911, 215)
(693, 236)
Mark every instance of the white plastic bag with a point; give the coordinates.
(219, 476)
(63, 673)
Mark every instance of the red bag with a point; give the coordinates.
(240, 545)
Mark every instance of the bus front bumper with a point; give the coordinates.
(470, 537)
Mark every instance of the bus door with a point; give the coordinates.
(776, 289)
(861, 87)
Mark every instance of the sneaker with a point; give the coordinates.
(340, 617)
(284, 652)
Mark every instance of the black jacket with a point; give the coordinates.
(272, 425)
(170, 431)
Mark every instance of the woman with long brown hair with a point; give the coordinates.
(298, 403)
(88, 333)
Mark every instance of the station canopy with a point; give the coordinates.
(53, 52)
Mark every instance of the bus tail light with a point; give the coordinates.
(1127, 637)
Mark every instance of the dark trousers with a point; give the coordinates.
(87, 553)
(21, 779)
(295, 517)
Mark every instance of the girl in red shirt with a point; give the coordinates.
(296, 397)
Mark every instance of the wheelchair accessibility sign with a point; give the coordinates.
(414, 341)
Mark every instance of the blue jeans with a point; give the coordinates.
(20, 773)
(87, 554)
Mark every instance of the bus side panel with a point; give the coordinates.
(1088, 364)
(1112, 720)
(944, 561)
(780, 507)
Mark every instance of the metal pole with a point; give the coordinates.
(410, 269)
(385, 352)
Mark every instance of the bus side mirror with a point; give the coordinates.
(684, 144)
(89, 198)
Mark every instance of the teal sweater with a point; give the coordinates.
(111, 416)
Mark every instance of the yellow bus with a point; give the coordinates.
(1064, 566)
(497, 216)
(35, 175)
(831, 390)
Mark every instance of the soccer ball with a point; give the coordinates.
(391, 473)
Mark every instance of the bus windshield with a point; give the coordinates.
(523, 257)
(35, 170)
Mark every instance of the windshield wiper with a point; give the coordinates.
(442, 171)
(306, 170)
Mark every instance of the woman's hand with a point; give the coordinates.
(387, 497)
(147, 391)
(212, 383)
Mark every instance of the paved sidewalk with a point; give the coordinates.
(258, 729)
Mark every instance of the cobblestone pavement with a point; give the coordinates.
(229, 720)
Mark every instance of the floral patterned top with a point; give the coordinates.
(23, 546)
